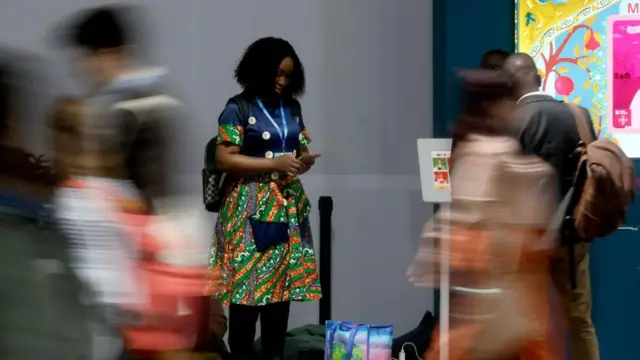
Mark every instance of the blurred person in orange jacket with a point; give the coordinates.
(491, 60)
(70, 160)
(130, 124)
(498, 231)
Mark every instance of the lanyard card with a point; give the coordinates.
(281, 132)
(278, 154)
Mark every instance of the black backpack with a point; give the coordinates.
(214, 184)
(213, 180)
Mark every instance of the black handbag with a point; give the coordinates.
(213, 188)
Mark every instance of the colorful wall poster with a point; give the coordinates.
(441, 161)
(572, 42)
(623, 37)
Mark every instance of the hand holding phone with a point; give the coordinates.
(308, 159)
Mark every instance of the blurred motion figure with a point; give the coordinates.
(497, 229)
(491, 60)
(129, 146)
(548, 130)
(41, 315)
(120, 201)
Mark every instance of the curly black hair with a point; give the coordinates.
(257, 70)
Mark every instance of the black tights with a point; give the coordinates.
(274, 320)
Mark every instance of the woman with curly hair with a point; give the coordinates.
(262, 256)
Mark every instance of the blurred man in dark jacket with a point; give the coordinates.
(130, 144)
(548, 129)
(131, 124)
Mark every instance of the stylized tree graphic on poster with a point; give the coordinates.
(556, 61)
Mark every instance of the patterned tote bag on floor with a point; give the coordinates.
(348, 341)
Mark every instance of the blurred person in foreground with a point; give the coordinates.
(129, 147)
(548, 129)
(499, 236)
(491, 60)
(70, 159)
(123, 130)
(41, 315)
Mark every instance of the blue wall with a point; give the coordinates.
(463, 30)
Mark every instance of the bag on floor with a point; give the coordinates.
(349, 341)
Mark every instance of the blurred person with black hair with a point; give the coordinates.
(491, 60)
(128, 122)
(262, 250)
(66, 125)
(128, 146)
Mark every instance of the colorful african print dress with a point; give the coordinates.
(263, 208)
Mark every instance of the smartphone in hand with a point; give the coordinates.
(309, 158)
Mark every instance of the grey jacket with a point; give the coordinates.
(134, 146)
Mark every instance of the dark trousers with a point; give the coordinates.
(576, 302)
(274, 320)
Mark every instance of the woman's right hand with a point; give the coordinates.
(287, 164)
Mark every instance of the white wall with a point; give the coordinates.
(369, 70)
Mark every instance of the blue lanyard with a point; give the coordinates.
(283, 133)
